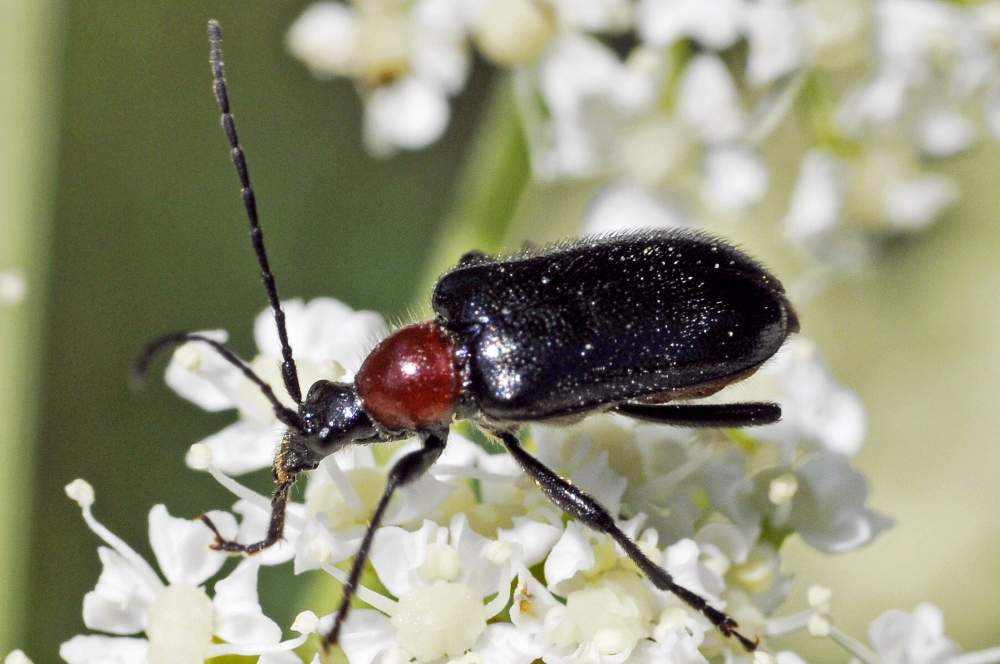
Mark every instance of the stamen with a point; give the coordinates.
(249, 495)
(248, 649)
(788, 624)
(988, 656)
(853, 646)
(83, 493)
(343, 484)
(380, 602)
(444, 471)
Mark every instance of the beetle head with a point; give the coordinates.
(332, 417)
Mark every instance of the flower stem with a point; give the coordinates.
(495, 174)
(29, 31)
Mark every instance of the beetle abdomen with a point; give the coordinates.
(612, 319)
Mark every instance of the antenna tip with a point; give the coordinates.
(214, 32)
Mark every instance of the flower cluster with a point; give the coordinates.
(474, 564)
(674, 99)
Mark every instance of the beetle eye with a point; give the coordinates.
(314, 391)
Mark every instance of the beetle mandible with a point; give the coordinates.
(624, 323)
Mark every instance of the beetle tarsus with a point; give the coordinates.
(276, 527)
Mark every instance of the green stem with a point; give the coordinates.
(494, 177)
(28, 30)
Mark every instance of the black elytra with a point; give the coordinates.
(627, 323)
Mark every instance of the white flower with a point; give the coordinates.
(817, 201)
(911, 638)
(344, 490)
(933, 58)
(625, 206)
(329, 340)
(448, 582)
(837, 31)
(716, 24)
(881, 190)
(777, 41)
(823, 501)
(578, 98)
(16, 657)
(609, 613)
(511, 32)
(708, 101)
(817, 411)
(178, 617)
(407, 59)
(735, 179)
(630, 468)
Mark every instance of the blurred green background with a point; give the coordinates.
(120, 205)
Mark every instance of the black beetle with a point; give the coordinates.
(623, 323)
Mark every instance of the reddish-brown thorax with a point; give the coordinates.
(410, 380)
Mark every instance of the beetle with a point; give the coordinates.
(626, 323)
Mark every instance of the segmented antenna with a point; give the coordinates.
(288, 371)
(141, 368)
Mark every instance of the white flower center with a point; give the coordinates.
(443, 619)
(783, 488)
(179, 625)
(515, 32)
(613, 613)
(328, 500)
(442, 563)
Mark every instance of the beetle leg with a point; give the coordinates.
(579, 504)
(474, 257)
(408, 469)
(704, 414)
(275, 529)
(290, 460)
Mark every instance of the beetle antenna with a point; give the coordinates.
(286, 415)
(288, 371)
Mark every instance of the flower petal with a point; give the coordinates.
(325, 38)
(506, 644)
(365, 635)
(321, 330)
(777, 45)
(397, 554)
(119, 602)
(817, 200)
(238, 616)
(708, 101)
(735, 179)
(182, 546)
(570, 555)
(409, 114)
(626, 206)
(85, 649)
(535, 538)
(200, 375)
(244, 446)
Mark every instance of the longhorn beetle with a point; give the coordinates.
(622, 323)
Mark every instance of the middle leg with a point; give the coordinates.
(579, 504)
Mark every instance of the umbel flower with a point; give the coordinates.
(679, 98)
(178, 617)
(477, 534)
(475, 565)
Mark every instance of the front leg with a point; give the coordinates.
(292, 458)
(579, 504)
(408, 469)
